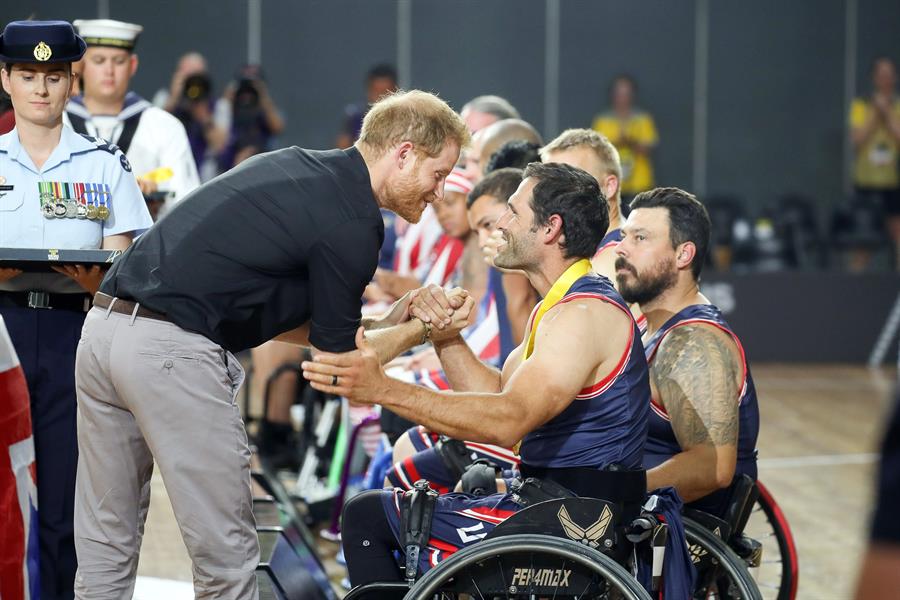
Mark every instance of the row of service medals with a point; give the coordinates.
(63, 200)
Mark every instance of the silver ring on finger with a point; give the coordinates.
(334, 380)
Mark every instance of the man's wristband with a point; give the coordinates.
(426, 332)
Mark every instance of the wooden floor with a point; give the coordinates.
(820, 429)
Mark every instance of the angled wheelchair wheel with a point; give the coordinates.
(721, 574)
(528, 566)
(778, 571)
(386, 590)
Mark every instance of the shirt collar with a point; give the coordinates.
(8, 141)
(69, 143)
(359, 168)
(132, 105)
(10, 144)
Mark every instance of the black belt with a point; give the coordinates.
(37, 299)
(127, 307)
(626, 486)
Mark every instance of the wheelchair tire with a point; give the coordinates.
(766, 522)
(730, 573)
(466, 562)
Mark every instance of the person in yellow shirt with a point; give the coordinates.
(875, 131)
(632, 132)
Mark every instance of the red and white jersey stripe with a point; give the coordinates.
(416, 244)
(445, 261)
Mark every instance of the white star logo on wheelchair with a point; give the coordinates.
(465, 531)
(590, 535)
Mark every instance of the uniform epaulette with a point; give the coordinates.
(102, 144)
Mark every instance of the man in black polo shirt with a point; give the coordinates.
(280, 247)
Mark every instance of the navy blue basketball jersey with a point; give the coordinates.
(610, 240)
(607, 422)
(661, 441)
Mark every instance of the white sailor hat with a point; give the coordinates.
(107, 32)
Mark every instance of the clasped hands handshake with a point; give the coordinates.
(358, 374)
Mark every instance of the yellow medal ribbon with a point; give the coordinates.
(559, 289)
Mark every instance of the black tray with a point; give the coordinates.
(41, 259)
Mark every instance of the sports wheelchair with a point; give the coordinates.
(756, 530)
(566, 548)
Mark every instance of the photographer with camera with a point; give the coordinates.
(254, 118)
(189, 64)
(201, 116)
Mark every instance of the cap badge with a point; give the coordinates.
(42, 52)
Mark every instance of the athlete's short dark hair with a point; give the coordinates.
(576, 197)
(499, 184)
(688, 219)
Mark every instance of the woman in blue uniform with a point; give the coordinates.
(58, 189)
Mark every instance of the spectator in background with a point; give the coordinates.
(380, 80)
(632, 132)
(481, 111)
(875, 132)
(255, 121)
(190, 98)
(520, 296)
(192, 63)
(207, 122)
(489, 139)
(590, 151)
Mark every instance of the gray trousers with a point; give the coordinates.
(148, 390)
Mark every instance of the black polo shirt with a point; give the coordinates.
(286, 237)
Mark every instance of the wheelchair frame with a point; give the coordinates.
(516, 543)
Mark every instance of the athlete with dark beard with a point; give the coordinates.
(704, 417)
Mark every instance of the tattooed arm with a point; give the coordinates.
(696, 374)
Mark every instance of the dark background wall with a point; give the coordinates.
(776, 98)
(653, 41)
(468, 48)
(776, 70)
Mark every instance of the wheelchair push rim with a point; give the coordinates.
(730, 578)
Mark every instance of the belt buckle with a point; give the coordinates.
(38, 300)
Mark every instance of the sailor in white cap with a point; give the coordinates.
(154, 141)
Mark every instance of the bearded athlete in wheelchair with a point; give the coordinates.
(575, 393)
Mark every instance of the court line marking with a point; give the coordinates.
(821, 460)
